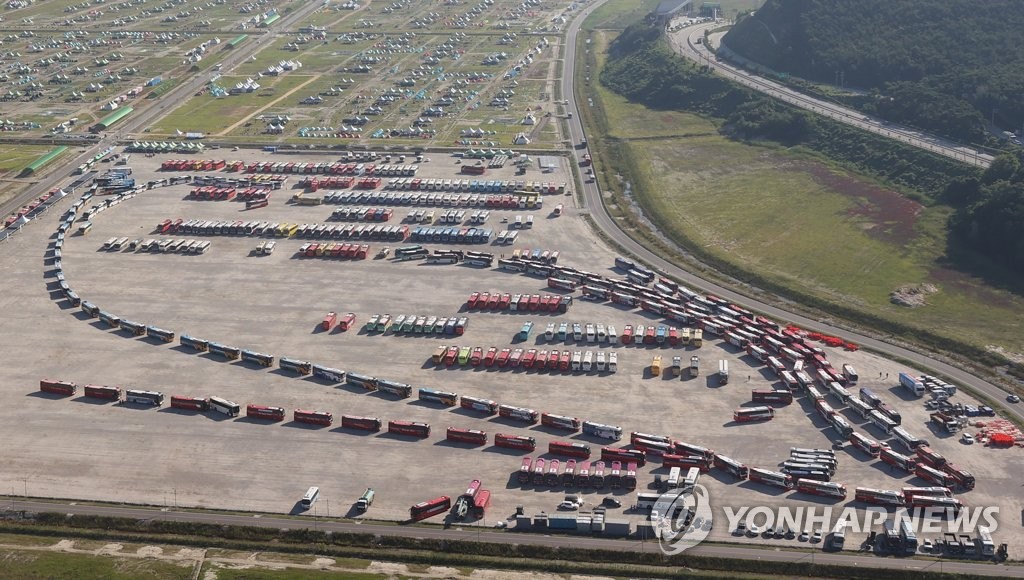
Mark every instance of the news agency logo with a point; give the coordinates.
(681, 519)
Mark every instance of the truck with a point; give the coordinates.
(366, 500)
(912, 384)
(723, 372)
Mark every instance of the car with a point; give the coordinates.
(790, 534)
(1012, 399)
(568, 505)
(927, 546)
(501, 525)
(611, 502)
(986, 411)
(753, 531)
(817, 536)
(780, 533)
(967, 439)
(768, 533)
(805, 535)
(741, 529)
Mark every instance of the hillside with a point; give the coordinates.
(942, 65)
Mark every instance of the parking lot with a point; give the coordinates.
(76, 448)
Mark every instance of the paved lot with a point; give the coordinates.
(79, 449)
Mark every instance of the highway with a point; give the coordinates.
(480, 534)
(592, 201)
(684, 42)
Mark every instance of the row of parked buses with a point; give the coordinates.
(530, 359)
(518, 302)
(517, 200)
(413, 324)
(577, 474)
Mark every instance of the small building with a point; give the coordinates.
(521, 139)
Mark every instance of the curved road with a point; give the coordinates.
(684, 41)
(593, 201)
(481, 534)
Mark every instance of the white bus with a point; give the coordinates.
(691, 478)
(673, 477)
(229, 408)
(310, 497)
(838, 536)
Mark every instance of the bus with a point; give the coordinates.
(89, 308)
(560, 422)
(597, 475)
(324, 418)
(160, 334)
(731, 466)
(569, 449)
(822, 488)
(538, 471)
(610, 454)
(962, 477)
(602, 431)
(569, 474)
(933, 475)
(507, 441)
(773, 478)
(656, 448)
(885, 424)
(480, 503)
(909, 493)
(647, 501)
(473, 436)
(103, 392)
(196, 344)
(58, 387)
(525, 469)
(850, 374)
(551, 478)
(518, 413)
(155, 398)
(771, 396)
(268, 413)
(629, 479)
(838, 391)
(228, 352)
(189, 403)
(442, 397)
(950, 504)
(229, 408)
(426, 509)
(911, 442)
(362, 381)
(865, 444)
(747, 414)
(362, 423)
(412, 428)
(689, 481)
(328, 374)
(395, 388)
(474, 404)
(869, 397)
(257, 358)
(684, 448)
(111, 320)
(673, 478)
(133, 328)
(883, 497)
(615, 477)
(310, 497)
(296, 366)
(686, 461)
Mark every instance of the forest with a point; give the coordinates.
(946, 66)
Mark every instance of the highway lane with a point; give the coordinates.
(593, 201)
(684, 41)
(480, 534)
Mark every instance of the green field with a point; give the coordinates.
(37, 564)
(16, 157)
(801, 223)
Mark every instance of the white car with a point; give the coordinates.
(967, 439)
(568, 505)
(753, 531)
(1013, 398)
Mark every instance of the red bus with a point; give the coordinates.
(822, 488)
(313, 417)
(190, 403)
(656, 448)
(615, 478)
(686, 462)
(747, 414)
(628, 455)
(569, 449)
(362, 423)
(730, 465)
(883, 497)
(525, 470)
(414, 429)
(583, 475)
(103, 392)
(865, 444)
(771, 396)
(426, 509)
(684, 448)
(597, 476)
(560, 422)
(629, 480)
(929, 456)
(963, 478)
(933, 475)
(474, 487)
(518, 413)
(58, 387)
(480, 503)
(635, 435)
(474, 436)
(538, 471)
(515, 442)
(950, 503)
(261, 412)
(482, 405)
(770, 477)
(552, 476)
(569, 475)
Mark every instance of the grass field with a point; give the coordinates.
(13, 158)
(797, 221)
(33, 564)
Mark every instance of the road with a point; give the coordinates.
(480, 534)
(593, 202)
(684, 41)
(147, 114)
